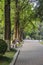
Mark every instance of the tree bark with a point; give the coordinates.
(16, 34)
(21, 34)
(7, 23)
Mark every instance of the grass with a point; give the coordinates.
(7, 58)
(41, 42)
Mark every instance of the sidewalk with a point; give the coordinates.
(31, 53)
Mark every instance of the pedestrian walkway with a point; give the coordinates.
(31, 53)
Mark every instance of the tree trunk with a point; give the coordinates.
(21, 35)
(7, 23)
(16, 34)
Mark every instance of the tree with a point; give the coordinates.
(7, 23)
(39, 10)
(20, 6)
(23, 16)
(16, 28)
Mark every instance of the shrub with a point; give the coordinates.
(3, 47)
(12, 49)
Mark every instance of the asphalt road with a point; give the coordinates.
(31, 53)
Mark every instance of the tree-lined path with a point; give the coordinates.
(31, 53)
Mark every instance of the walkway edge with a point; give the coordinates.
(15, 58)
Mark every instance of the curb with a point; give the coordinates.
(15, 58)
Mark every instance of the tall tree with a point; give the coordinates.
(21, 7)
(7, 23)
(16, 21)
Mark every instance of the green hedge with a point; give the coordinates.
(3, 47)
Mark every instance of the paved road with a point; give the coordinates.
(31, 53)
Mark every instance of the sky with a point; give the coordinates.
(34, 2)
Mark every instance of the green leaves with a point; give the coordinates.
(39, 9)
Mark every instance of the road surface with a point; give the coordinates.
(31, 53)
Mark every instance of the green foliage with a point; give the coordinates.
(12, 49)
(39, 9)
(1, 18)
(29, 17)
(3, 47)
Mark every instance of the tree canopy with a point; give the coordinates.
(30, 15)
